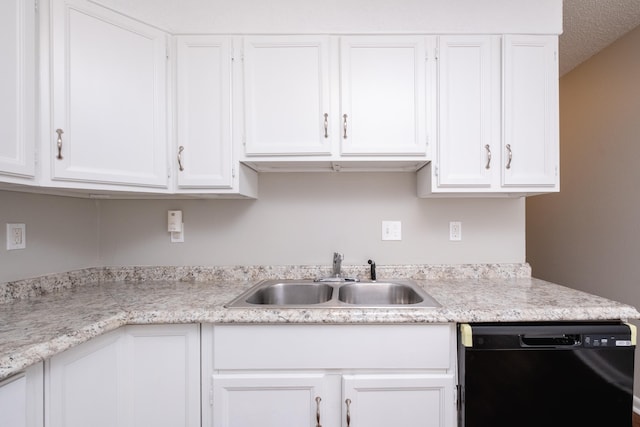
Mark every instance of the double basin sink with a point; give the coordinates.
(313, 294)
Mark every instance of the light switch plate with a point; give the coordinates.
(16, 236)
(391, 230)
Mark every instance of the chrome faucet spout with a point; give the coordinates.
(337, 264)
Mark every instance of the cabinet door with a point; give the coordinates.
(21, 399)
(530, 112)
(265, 400)
(109, 97)
(17, 83)
(468, 147)
(383, 95)
(286, 99)
(399, 400)
(204, 112)
(163, 375)
(82, 384)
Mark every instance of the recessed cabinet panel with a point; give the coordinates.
(530, 151)
(82, 384)
(109, 97)
(286, 83)
(399, 400)
(163, 368)
(204, 152)
(382, 83)
(267, 400)
(17, 84)
(468, 120)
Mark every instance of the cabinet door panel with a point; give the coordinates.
(13, 402)
(266, 400)
(109, 97)
(383, 95)
(17, 85)
(530, 111)
(399, 400)
(204, 112)
(469, 137)
(83, 384)
(286, 95)
(163, 367)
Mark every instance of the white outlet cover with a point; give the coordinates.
(391, 230)
(455, 231)
(16, 236)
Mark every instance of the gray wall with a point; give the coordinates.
(62, 234)
(298, 219)
(587, 236)
(302, 218)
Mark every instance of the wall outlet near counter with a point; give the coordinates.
(16, 236)
(455, 231)
(391, 230)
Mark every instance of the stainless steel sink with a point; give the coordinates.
(379, 293)
(296, 293)
(310, 294)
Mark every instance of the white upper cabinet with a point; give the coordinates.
(498, 126)
(286, 95)
(468, 113)
(383, 95)
(204, 147)
(17, 89)
(531, 135)
(109, 97)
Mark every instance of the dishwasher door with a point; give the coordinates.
(542, 374)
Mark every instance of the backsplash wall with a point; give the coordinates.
(61, 234)
(299, 219)
(302, 218)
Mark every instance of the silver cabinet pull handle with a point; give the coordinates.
(488, 165)
(318, 400)
(344, 126)
(180, 150)
(59, 143)
(348, 403)
(510, 153)
(326, 125)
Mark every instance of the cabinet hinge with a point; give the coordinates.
(436, 54)
(233, 172)
(435, 170)
(211, 393)
(36, 5)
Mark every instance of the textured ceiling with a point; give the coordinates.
(591, 25)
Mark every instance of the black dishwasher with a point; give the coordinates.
(545, 374)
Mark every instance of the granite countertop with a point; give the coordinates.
(35, 328)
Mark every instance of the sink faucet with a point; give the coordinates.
(337, 264)
(373, 269)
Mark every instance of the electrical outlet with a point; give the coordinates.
(178, 236)
(391, 230)
(455, 231)
(16, 236)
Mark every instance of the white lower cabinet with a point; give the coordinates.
(133, 376)
(21, 398)
(329, 375)
(263, 400)
(425, 400)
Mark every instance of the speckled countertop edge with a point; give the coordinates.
(35, 328)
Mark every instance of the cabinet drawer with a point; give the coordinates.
(332, 346)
